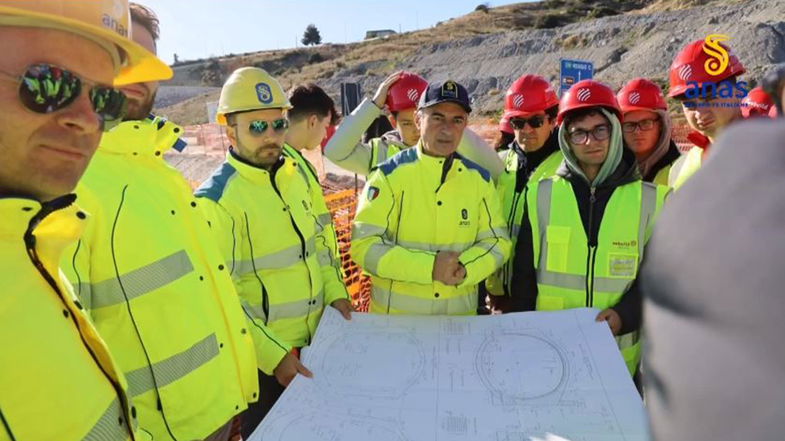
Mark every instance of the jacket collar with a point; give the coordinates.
(152, 136)
(253, 172)
(49, 226)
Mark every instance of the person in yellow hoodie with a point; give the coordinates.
(155, 284)
(261, 210)
(57, 377)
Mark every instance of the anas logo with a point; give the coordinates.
(635, 98)
(517, 101)
(264, 93)
(373, 193)
(412, 94)
(450, 89)
(465, 222)
(719, 58)
(718, 55)
(114, 24)
(584, 95)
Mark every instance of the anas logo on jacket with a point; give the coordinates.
(264, 93)
(465, 222)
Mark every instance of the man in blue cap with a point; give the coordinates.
(429, 227)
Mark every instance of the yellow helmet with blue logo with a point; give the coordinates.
(250, 88)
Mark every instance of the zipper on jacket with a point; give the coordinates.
(445, 169)
(32, 253)
(591, 252)
(273, 174)
(507, 267)
(265, 295)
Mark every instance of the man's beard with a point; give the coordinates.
(138, 111)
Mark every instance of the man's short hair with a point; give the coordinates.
(145, 17)
(552, 112)
(579, 114)
(310, 99)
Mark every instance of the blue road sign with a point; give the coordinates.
(572, 71)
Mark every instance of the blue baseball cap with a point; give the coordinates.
(448, 91)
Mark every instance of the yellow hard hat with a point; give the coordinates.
(106, 22)
(250, 88)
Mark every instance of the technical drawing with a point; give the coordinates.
(515, 377)
(516, 367)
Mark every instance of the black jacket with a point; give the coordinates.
(528, 162)
(667, 159)
(524, 279)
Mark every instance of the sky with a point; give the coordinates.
(195, 29)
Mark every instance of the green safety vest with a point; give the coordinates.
(513, 207)
(570, 274)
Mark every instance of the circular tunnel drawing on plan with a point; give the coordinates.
(517, 367)
(389, 366)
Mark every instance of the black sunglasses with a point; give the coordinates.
(259, 126)
(535, 122)
(44, 88)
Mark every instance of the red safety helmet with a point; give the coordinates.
(405, 93)
(692, 62)
(641, 94)
(588, 93)
(757, 103)
(529, 94)
(504, 124)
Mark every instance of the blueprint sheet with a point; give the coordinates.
(532, 376)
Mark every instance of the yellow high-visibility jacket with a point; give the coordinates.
(323, 216)
(269, 234)
(415, 205)
(58, 380)
(156, 288)
(685, 167)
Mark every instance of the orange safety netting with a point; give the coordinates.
(343, 204)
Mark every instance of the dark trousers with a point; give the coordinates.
(269, 392)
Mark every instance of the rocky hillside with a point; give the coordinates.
(486, 51)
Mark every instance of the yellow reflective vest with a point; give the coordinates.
(513, 198)
(323, 216)
(58, 380)
(570, 273)
(157, 290)
(685, 167)
(415, 205)
(269, 234)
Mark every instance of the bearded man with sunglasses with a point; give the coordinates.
(57, 376)
(584, 237)
(531, 105)
(156, 286)
(261, 210)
